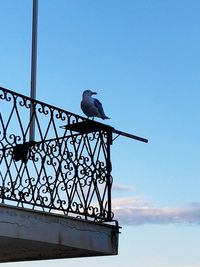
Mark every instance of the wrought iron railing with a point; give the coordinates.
(64, 170)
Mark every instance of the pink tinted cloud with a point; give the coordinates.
(139, 211)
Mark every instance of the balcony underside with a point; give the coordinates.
(30, 235)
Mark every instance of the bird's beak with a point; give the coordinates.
(94, 93)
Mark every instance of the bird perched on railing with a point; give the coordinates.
(92, 107)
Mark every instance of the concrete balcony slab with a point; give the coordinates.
(31, 235)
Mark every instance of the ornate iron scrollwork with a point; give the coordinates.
(62, 171)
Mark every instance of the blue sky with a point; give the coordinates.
(143, 59)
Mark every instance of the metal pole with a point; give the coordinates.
(138, 138)
(33, 68)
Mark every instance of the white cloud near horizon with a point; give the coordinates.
(139, 211)
(122, 187)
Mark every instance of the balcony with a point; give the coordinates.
(55, 190)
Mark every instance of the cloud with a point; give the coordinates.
(130, 202)
(139, 211)
(121, 187)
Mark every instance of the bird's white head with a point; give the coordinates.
(88, 93)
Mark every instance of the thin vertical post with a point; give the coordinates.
(33, 68)
(109, 179)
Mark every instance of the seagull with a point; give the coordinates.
(92, 107)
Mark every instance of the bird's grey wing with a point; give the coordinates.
(99, 106)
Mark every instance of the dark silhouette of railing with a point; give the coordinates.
(65, 170)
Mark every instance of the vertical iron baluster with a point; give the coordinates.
(109, 168)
